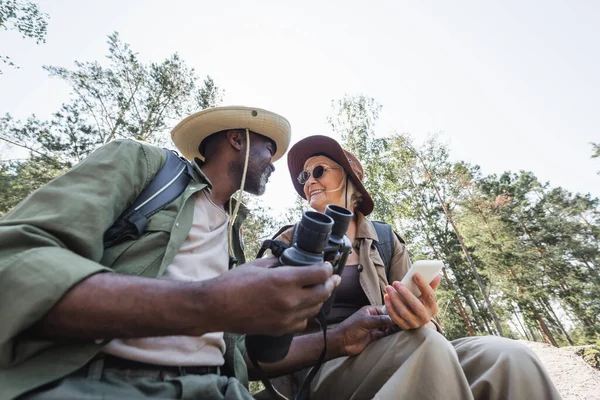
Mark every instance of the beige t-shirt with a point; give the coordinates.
(202, 256)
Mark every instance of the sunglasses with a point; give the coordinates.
(317, 173)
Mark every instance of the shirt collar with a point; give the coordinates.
(200, 177)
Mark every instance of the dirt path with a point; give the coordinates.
(574, 379)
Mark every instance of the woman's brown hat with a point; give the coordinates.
(328, 147)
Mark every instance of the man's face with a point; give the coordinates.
(260, 166)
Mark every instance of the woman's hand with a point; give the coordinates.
(408, 311)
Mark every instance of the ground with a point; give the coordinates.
(573, 377)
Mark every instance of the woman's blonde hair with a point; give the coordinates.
(354, 196)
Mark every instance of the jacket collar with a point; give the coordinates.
(199, 176)
(364, 227)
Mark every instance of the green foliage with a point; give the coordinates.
(354, 117)
(263, 223)
(124, 99)
(24, 17)
(518, 252)
(130, 99)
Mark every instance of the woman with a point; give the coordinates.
(416, 362)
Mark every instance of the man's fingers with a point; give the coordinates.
(265, 262)
(319, 293)
(309, 275)
(377, 321)
(371, 310)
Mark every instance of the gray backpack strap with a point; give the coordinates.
(385, 245)
(167, 185)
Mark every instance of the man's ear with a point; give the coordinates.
(235, 139)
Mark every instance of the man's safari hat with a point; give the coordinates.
(189, 133)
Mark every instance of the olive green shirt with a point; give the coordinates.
(54, 239)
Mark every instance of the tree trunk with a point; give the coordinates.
(476, 311)
(532, 333)
(560, 325)
(464, 249)
(521, 325)
(546, 334)
(461, 309)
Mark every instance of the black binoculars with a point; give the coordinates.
(317, 238)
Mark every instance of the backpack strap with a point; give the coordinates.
(168, 184)
(385, 245)
(283, 229)
(276, 246)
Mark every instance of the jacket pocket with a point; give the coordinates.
(379, 267)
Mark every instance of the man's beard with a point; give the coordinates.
(256, 183)
(262, 182)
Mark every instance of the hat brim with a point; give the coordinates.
(189, 133)
(324, 145)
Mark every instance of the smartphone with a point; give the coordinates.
(428, 270)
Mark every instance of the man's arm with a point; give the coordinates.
(347, 339)
(52, 240)
(107, 305)
(52, 281)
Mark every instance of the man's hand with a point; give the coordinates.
(408, 311)
(347, 339)
(258, 300)
(361, 328)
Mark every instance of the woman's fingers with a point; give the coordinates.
(394, 315)
(401, 309)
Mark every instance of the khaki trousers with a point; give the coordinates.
(422, 364)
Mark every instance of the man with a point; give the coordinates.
(83, 321)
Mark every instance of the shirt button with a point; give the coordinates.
(359, 268)
(177, 224)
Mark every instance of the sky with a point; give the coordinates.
(511, 85)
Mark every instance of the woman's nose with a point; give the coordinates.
(311, 180)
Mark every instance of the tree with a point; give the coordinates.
(129, 99)
(596, 151)
(399, 179)
(354, 119)
(24, 17)
(124, 99)
(553, 257)
(263, 223)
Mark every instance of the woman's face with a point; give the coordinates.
(329, 188)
